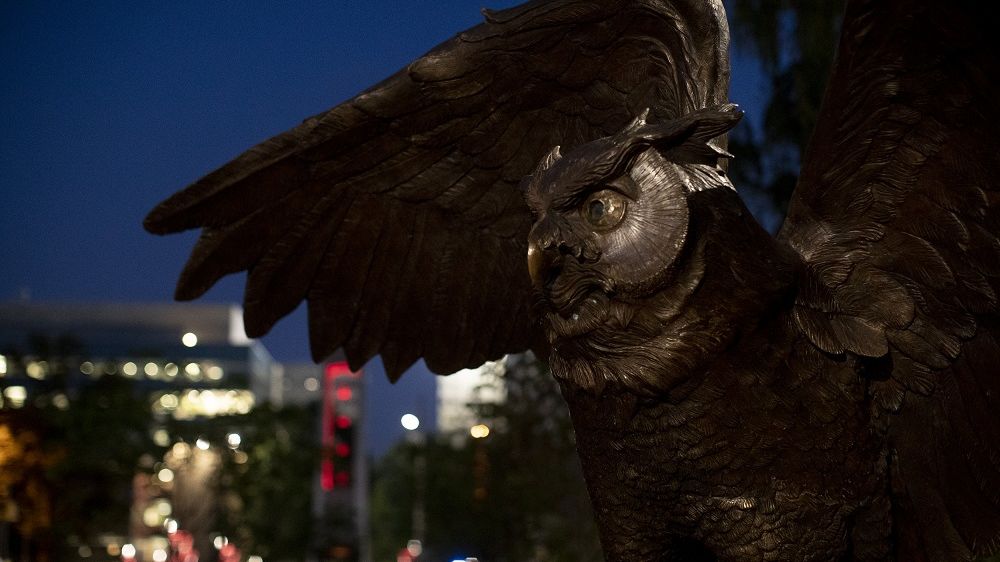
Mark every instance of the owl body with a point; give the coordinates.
(708, 427)
(740, 461)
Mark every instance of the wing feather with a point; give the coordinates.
(335, 293)
(896, 218)
(397, 214)
(404, 340)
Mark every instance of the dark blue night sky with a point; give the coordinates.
(109, 107)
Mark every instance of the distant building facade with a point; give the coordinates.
(197, 346)
(456, 392)
(189, 362)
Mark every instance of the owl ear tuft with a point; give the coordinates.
(714, 123)
(697, 132)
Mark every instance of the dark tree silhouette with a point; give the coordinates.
(795, 42)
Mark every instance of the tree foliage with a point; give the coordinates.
(516, 495)
(272, 472)
(70, 454)
(795, 41)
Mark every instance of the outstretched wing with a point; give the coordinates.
(397, 214)
(897, 215)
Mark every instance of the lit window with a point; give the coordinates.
(210, 403)
(60, 401)
(35, 370)
(16, 395)
(161, 437)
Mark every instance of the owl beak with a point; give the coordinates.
(536, 264)
(541, 257)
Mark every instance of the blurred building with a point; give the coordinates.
(186, 361)
(197, 346)
(458, 392)
(188, 364)
(297, 384)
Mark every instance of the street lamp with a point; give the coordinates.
(410, 422)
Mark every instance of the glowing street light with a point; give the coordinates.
(165, 475)
(189, 339)
(410, 422)
(479, 431)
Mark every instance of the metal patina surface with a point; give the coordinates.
(830, 393)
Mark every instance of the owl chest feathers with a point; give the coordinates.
(776, 447)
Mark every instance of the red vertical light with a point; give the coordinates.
(343, 479)
(330, 477)
(338, 369)
(326, 475)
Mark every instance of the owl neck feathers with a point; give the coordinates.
(728, 275)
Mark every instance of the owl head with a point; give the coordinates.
(613, 216)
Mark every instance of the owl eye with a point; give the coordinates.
(604, 209)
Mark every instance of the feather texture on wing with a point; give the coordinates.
(396, 214)
(896, 216)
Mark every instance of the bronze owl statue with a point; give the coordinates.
(830, 393)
